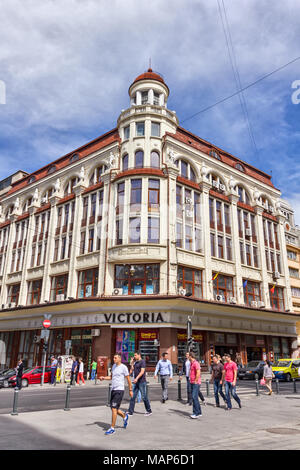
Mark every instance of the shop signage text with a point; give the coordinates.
(133, 318)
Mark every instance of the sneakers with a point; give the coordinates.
(163, 400)
(125, 421)
(110, 431)
(195, 416)
(129, 413)
(148, 413)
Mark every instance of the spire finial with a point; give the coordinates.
(150, 69)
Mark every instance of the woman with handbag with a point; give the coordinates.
(267, 377)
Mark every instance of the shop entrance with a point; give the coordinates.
(81, 346)
(254, 354)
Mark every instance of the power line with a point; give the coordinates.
(242, 89)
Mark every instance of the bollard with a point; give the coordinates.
(15, 405)
(109, 395)
(179, 398)
(257, 387)
(96, 379)
(207, 387)
(277, 386)
(67, 403)
(295, 386)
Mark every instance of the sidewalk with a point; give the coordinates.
(263, 423)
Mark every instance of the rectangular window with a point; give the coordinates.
(136, 195)
(82, 243)
(223, 285)
(153, 230)
(91, 240)
(292, 255)
(190, 280)
(211, 213)
(144, 96)
(119, 232)
(93, 208)
(294, 272)
(178, 202)
(153, 195)
(155, 129)
(212, 244)
(156, 99)
(85, 211)
(188, 238)
(126, 132)
(134, 230)
(220, 247)
(276, 298)
(197, 209)
(59, 286)
(63, 248)
(137, 279)
(56, 243)
(179, 235)
(251, 292)
(70, 246)
(34, 292)
(229, 249)
(13, 294)
(140, 129)
(39, 254)
(87, 283)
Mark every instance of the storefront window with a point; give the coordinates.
(148, 346)
(137, 278)
(197, 346)
(125, 344)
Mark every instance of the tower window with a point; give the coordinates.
(140, 129)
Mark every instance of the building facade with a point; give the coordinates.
(125, 237)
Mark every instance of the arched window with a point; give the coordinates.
(244, 197)
(97, 173)
(186, 170)
(214, 153)
(51, 169)
(240, 167)
(74, 157)
(26, 205)
(125, 162)
(46, 195)
(154, 160)
(139, 159)
(9, 211)
(31, 179)
(216, 182)
(69, 189)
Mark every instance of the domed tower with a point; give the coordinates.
(142, 126)
(149, 88)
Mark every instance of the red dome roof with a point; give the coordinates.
(149, 75)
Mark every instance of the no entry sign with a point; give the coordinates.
(46, 323)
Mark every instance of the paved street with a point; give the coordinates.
(263, 422)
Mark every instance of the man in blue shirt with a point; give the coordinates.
(164, 367)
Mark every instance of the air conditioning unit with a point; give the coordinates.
(95, 332)
(60, 297)
(276, 275)
(222, 187)
(182, 291)
(215, 184)
(248, 232)
(271, 209)
(220, 298)
(188, 200)
(260, 304)
(117, 291)
(232, 300)
(254, 304)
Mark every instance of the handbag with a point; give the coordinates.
(262, 381)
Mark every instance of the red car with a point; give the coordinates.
(32, 375)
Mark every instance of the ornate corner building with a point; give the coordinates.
(125, 237)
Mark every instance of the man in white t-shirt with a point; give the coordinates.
(118, 373)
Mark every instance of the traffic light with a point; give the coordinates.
(190, 343)
(45, 347)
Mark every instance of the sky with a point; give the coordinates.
(65, 70)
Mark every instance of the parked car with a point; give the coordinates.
(251, 369)
(32, 375)
(5, 375)
(287, 369)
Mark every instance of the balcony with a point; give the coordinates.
(136, 110)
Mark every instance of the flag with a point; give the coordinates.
(215, 276)
(245, 283)
(273, 289)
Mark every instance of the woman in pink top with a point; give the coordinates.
(195, 381)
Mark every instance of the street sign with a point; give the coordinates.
(45, 334)
(46, 323)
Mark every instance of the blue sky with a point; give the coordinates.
(67, 67)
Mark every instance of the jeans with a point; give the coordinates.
(164, 385)
(195, 397)
(218, 390)
(53, 375)
(189, 390)
(142, 387)
(139, 395)
(201, 395)
(229, 388)
(93, 374)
